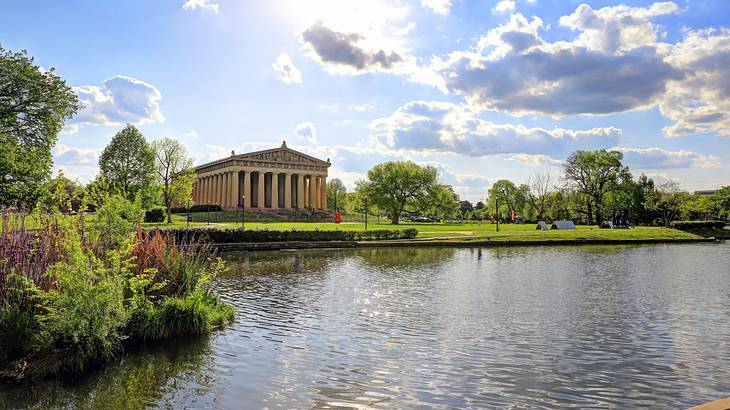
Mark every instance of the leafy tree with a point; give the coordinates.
(723, 200)
(479, 206)
(335, 192)
(33, 106)
(644, 187)
(444, 202)
(595, 174)
(539, 188)
(667, 200)
(399, 186)
(175, 173)
(62, 193)
(128, 164)
(701, 207)
(509, 196)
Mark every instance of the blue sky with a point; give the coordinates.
(483, 90)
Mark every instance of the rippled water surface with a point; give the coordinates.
(399, 328)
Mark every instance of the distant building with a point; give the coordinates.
(279, 178)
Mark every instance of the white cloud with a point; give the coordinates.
(305, 131)
(75, 162)
(617, 28)
(534, 160)
(438, 6)
(700, 102)
(287, 71)
(604, 70)
(658, 158)
(192, 134)
(440, 127)
(116, 101)
(200, 4)
(504, 6)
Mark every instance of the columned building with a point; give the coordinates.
(273, 179)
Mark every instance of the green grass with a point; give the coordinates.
(462, 231)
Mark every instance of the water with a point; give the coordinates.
(404, 328)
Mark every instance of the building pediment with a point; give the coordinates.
(277, 158)
(282, 155)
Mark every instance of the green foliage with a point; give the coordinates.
(336, 192)
(399, 186)
(154, 215)
(174, 171)
(80, 319)
(96, 297)
(33, 106)
(595, 174)
(114, 221)
(237, 235)
(128, 165)
(197, 313)
(198, 208)
(691, 225)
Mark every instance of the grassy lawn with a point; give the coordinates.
(461, 231)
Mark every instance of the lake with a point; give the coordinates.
(539, 327)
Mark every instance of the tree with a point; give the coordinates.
(335, 192)
(723, 200)
(175, 173)
(444, 202)
(539, 188)
(399, 186)
(508, 195)
(128, 163)
(667, 200)
(596, 173)
(33, 106)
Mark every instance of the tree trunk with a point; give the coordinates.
(590, 213)
(169, 215)
(394, 219)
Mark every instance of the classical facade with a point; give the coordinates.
(273, 179)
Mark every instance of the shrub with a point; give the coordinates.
(237, 235)
(114, 221)
(689, 225)
(197, 208)
(154, 215)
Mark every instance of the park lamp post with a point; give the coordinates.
(208, 208)
(243, 212)
(366, 213)
(496, 211)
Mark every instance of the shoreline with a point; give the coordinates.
(447, 242)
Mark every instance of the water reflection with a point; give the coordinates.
(167, 373)
(392, 328)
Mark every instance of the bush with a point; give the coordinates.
(689, 225)
(154, 215)
(197, 208)
(237, 235)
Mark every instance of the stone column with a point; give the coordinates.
(222, 189)
(235, 195)
(287, 190)
(201, 198)
(213, 188)
(219, 190)
(300, 191)
(313, 191)
(261, 191)
(229, 192)
(247, 189)
(323, 192)
(208, 188)
(274, 190)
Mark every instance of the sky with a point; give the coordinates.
(481, 90)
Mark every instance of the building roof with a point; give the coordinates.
(290, 155)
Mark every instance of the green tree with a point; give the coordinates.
(175, 173)
(595, 174)
(128, 164)
(399, 186)
(509, 196)
(445, 203)
(667, 200)
(722, 197)
(62, 191)
(33, 106)
(336, 190)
